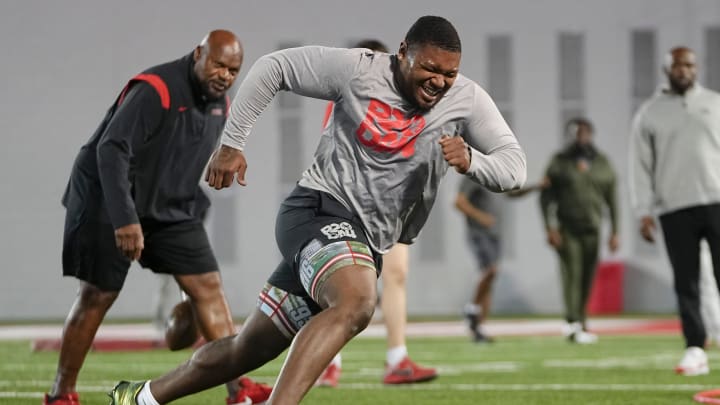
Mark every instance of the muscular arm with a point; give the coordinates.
(497, 160)
(137, 118)
(312, 71)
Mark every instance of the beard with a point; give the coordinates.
(582, 151)
(680, 86)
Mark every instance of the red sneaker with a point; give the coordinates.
(66, 399)
(250, 392)
(330, 377)
(407, 372)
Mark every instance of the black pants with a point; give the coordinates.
(683, 230)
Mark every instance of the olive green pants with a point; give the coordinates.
(578, 258)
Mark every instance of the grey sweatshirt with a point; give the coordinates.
(675, 152)
(378, 155)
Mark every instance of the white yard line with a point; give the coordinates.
(511, 327)
(456, 387)
(538, 387)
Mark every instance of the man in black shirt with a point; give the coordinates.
(134, 194)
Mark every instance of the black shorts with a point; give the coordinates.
(309, 224)
(90, 253)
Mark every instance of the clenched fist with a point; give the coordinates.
(130, 240)
(456, 152)
(224, 164)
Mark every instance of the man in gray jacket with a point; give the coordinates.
(675, 156)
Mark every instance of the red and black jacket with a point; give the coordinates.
(145, 160)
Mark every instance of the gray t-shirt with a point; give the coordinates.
(378, 155)
(484, 200)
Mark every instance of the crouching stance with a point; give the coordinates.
(375, 175)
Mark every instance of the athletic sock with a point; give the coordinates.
(472, 309)
(337, 361)
(145, 397)
(396, 355)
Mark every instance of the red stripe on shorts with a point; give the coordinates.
(264, 297)
(334, 260)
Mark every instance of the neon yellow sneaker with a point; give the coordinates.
(125, 393)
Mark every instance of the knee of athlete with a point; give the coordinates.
(205, 287)
(93, 297)
(358, 312)
(396, 275)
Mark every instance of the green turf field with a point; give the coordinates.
(518, 370)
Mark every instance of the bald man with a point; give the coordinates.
(134, 195)
(675, 155)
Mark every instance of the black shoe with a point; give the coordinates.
(472, 320)
(479, 337)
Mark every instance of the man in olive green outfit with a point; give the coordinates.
(581, 182)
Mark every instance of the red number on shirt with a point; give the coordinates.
(385, 129)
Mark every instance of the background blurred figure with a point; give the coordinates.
(675, 156)
(164, 300)
(581, 182)
(393, 303)
(482, 210)
(134, 195)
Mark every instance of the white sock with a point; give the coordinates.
(396, 355)
(337, 361)
(472, 309)
(145, 397)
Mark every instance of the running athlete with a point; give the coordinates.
(399, 367)
(399, 122)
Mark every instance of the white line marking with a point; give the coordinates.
(537, 387)
(154, 367)
(12, 394)
(664, 360)
(49, 383)
(458, 387)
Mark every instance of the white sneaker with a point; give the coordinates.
(694, 362)
(571, 328)
(584, 338)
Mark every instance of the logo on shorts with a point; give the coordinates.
(307, 271)
(337, 231)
